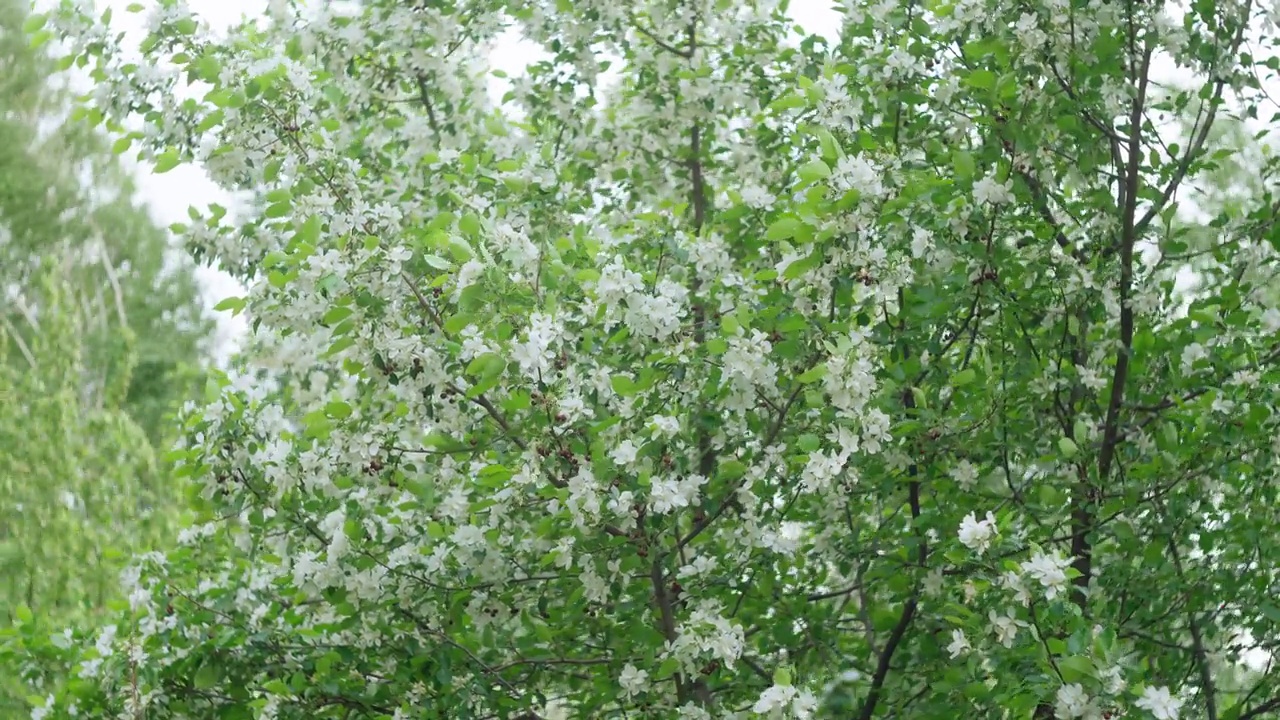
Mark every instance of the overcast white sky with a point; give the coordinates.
(169, 195)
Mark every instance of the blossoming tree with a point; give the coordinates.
(712, 373)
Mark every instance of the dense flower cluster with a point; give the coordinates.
(734, 387)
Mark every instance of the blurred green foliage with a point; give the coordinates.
(102, 337)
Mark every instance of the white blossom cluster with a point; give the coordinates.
(662, 385)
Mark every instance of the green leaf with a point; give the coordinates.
(34, 22)
(962, 164)
(964, 377)
(166, 161)
(731, 470)
(23, 614)
(791, 101)
(309, 231)
(813, 171)
(437, 262)
(920, 398)
(814, 374)
(235, 304)
(470, 225)
(981, 80)
(276, 687)
(1270, 611)
(337, 315)
(798, 268)
(338, 410)
(1067, 446)
(623, 385)
(1076, 668)
(487, 365)
(206, 677)
(782, 229)
(1079, 428)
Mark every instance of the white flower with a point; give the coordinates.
(1160, 702)
(976, 535)
(757, 197)
(855, 173)
(1005, 628)
(667, 494)
(804, 705)
(1271, 321)
(467, 276)
(664, 425)
(746, 362)
(633, 680)
(1073, 702)
(774, 700)
(535, 356)
(786, 540)
(468, 536)
(700, 565)
(988, 190)
(1191, 354)
(1050, 570)
(38, 713)
(1113, 677)
(964, 473)
(624, 453)
(1013, 581)
(959, 644)
(933, 582)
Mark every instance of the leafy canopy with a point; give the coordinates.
(711, 373)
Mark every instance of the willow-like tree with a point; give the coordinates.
(774, 379)
(100, 332)
(64, 194)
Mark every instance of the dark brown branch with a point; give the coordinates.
(886, 657)
(885, 660)
(1190, 395)
(1082, 520)
(425, 97)
(1197, 145)
(1266, 707)
(1041, 198)
(727, 503)
(552, 661)
(1197, 645)
(686, 53)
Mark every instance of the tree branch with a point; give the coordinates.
(885, 660)
(1082, 520)
(1197, 645)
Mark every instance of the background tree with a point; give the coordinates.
(63, 193)
(82, 484)
(102, 336)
